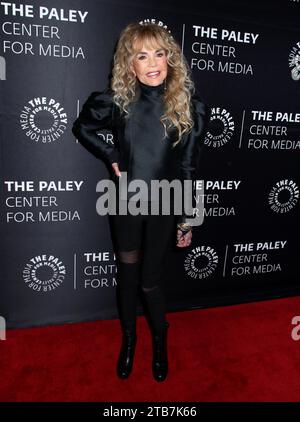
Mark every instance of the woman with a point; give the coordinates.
(158, 125)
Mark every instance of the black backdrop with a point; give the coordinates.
(57, 261)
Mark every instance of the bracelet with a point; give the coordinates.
(184, 227)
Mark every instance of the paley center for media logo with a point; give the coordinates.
(294, 62)
(43, 119)
(44, 273)
(283, 196)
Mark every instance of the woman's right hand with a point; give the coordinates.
(116, 169)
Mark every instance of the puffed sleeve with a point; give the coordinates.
(96, 114)
(192, 147)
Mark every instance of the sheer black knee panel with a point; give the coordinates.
(129, 257)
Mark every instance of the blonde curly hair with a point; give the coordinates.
(180, 87)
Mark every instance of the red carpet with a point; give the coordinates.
(236, 353)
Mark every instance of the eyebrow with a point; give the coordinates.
(144, 52)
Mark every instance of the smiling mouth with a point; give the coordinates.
(153, 74)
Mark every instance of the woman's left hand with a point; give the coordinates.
(184, 241)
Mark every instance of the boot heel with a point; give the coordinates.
(160, 355)
(126, 356)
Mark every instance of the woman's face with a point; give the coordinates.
(150, 65)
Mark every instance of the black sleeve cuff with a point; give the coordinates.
(114, 156)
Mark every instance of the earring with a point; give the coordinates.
(165, 87)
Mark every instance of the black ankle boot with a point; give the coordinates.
(160, 355)
(125, 361)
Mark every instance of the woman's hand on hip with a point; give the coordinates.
(116, 169)
(184, 241)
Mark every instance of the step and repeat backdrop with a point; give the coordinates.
(57, 258)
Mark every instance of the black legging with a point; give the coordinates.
(141, 243)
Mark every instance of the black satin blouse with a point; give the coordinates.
(139, 146)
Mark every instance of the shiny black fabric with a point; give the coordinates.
(139, 147)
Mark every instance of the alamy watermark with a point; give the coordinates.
(166, 197)
(295, 333)
(2, 69)
(2, 328)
